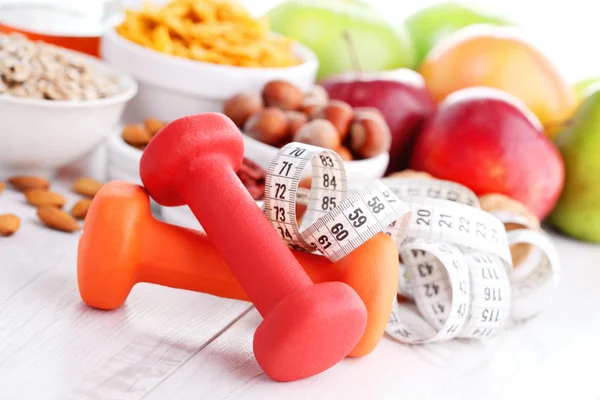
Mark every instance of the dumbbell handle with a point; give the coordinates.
(185, 268)
(260, 261)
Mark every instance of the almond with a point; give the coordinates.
(24, 182)
(136, 135)
(57, 219)
(86, 186)
(80, 208)
(2, 186)
(153, 125)
(9, 224)
(41, 197)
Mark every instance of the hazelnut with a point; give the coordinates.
(360, 110)
(337, 112)
(241, 106)
(316, 94)
(269, 126)
(310, 108)
(153, 125)
(315, 97)
(369, 134)
(345, 153)
(282, 94)
(296, 120)
(319, 132)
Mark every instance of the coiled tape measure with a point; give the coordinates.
(456, 269)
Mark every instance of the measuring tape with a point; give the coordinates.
(456, 270)
(333, 223)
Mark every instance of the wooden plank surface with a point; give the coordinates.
(555, 356)
(169, 344)
(52, 346)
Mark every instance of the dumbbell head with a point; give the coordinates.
(309, 331)
(188, 145)
(110, 245)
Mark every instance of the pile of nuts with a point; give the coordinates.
(38, 70)
(281, 114)
(50, 204)
(139, 135)
(252, 176)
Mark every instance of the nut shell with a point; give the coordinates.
(345, 153)
(316, 95)
(369, 135)
(319, 132)
(269, 126)
(296, 120)
(283, 95)
(339, 113)
(241, 106)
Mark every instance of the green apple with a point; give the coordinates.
(345, 35)
(431, 24)
(577, 212)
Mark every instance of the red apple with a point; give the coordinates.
(491, 142)
(399, 94)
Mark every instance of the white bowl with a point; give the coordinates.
(358, 172)
(40, 136)
(171, 87)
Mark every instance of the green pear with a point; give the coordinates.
(577, 212)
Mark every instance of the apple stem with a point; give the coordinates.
(352, 52)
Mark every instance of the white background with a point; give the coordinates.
(567, 31)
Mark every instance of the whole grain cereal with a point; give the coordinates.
(38, 70)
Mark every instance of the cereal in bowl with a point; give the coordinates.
(38, 70)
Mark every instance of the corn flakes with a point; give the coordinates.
(214, 31)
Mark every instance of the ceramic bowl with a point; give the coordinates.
(41, 136)
(171, 87)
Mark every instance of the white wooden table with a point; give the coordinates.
(171, 344)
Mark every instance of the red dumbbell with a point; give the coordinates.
(307, 328)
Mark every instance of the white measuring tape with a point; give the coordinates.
(456, 270)
(334, 223)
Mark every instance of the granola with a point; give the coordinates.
(39, 70)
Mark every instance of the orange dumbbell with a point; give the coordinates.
(123, 244)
